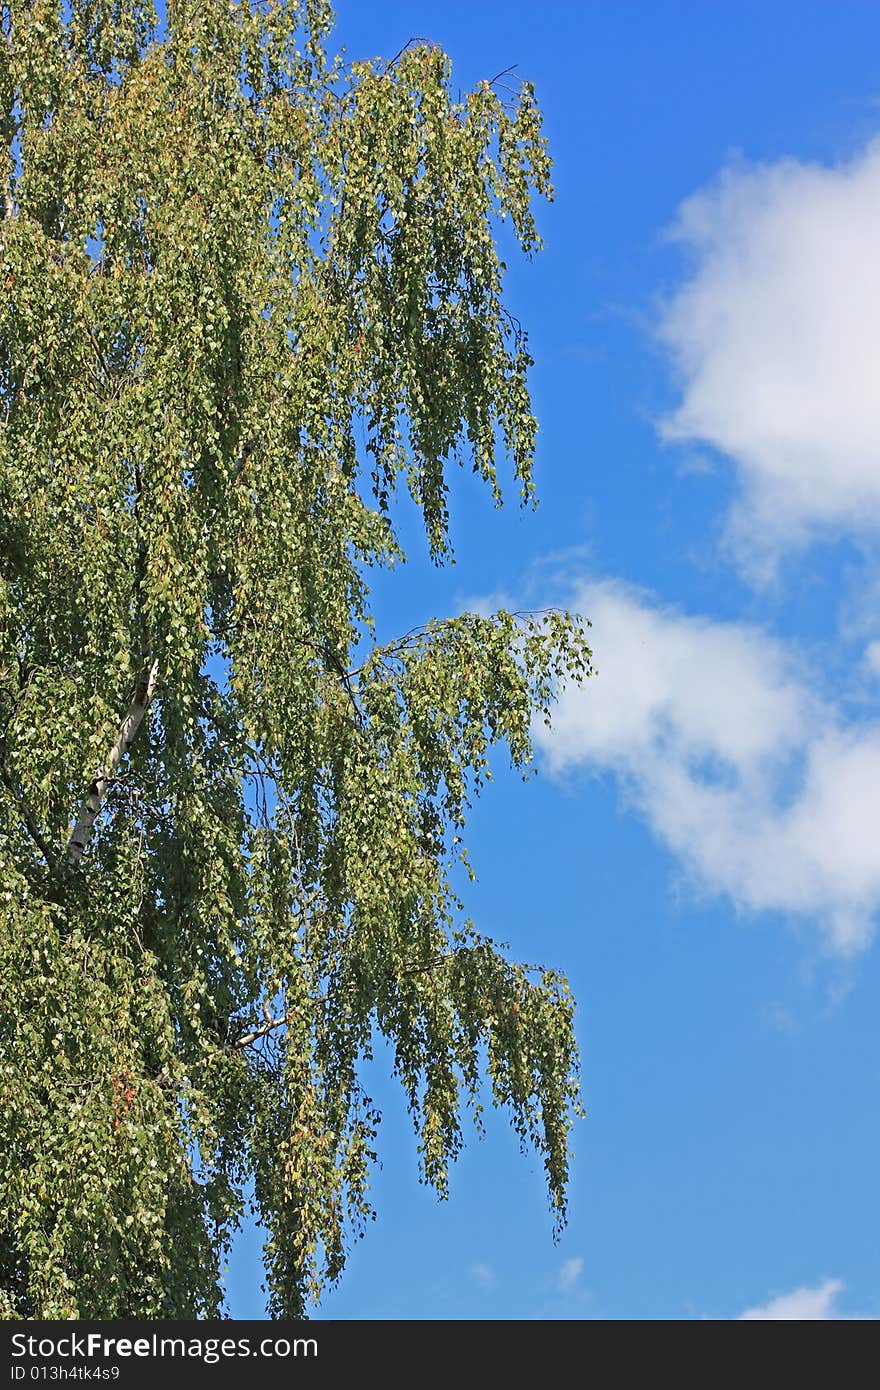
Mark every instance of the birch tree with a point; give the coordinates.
(249, 294)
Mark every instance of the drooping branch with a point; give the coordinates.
(271, 1023)
(27, 817)
(88, 812)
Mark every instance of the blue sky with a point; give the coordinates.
(699, 852)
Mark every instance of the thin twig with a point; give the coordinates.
(502, 73)
(410, 43)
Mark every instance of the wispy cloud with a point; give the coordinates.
(570, 1273)
(776, 339)
(763, 792)
(484, 1275)
(801, 1305)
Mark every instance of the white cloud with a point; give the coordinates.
(763, 792)
(871, 658)
(776, 336)
(570, 1273)
(802, 1305)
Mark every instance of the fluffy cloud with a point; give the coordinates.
(776, 337)
(803, 1305)
(762, 792)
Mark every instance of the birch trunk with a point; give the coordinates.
(88, 812)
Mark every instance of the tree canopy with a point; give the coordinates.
(248, 293)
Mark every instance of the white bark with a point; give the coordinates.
(88, 812)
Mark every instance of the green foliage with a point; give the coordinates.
(246, 292)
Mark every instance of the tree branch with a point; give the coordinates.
(247, 1038)
(241, 461)
(410, 43)
(30, 824)
(505, 72)
(88, 812)
(272, 1023)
